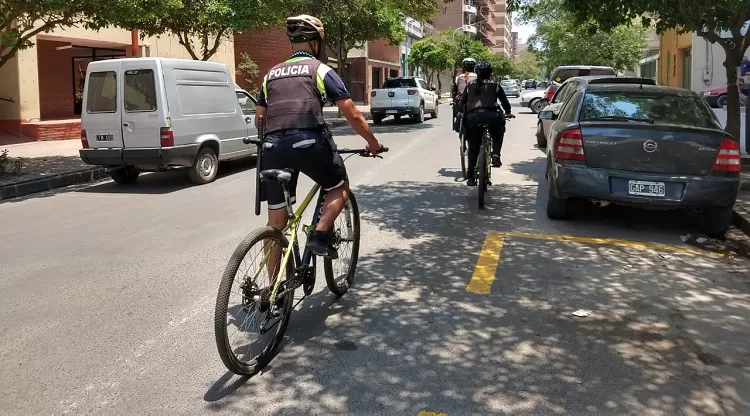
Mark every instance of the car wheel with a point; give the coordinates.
(434, 114)
(716, 221)
(397, 117)
(125, 175)
(536, 105)
(419, 116)
(377, 119)
(541, 141)
(557, 208)
(721, 101)
(205, 168)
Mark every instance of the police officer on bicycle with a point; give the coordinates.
(291, 101)
(479, 104)
(459, 86)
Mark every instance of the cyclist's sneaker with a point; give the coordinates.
(320, 244)
(496, 161)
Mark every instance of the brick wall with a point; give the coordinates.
(383, 51)
(266, 48)
(55, 80)
(52, 131)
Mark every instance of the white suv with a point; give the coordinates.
(403, 96)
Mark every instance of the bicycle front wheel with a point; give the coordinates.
(249, 276)
(482, 179)
(340, 272)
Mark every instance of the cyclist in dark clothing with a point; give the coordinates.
(480, 106)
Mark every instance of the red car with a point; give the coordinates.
(716, 96)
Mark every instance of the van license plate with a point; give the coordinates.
(105, 137)
(391, 112)
(645, 188)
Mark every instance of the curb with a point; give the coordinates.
(741, 222)
(47, 183)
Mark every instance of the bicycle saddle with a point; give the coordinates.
(278, 175)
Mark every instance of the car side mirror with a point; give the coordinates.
(547, 115)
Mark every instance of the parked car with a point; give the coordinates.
(644, 146)
(530, 84)
(511, 88)
(155, 114)
(716, 96)
(542, 84)
(569, 87)
(563, 73)
(404, 96)
(535, 101)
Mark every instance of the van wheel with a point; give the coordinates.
(125, 175)
(205, 168)
(716, 222)
(377, 120)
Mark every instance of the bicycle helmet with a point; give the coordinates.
(483, 69)
(304, 28)
(468, 64)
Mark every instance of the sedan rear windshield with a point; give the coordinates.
(562, 75)
(400, 83)
(651, 106)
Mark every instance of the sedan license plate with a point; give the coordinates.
(105, 137)
(391, 112)
(646, 188)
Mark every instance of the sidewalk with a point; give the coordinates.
(54, 164)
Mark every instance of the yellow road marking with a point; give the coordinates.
(486, 268)
(489, 257)
(429, 413)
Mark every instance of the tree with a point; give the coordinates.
(350, 24)
(561, 39)
(21, 20)
(707, 18)
(433, 56)
(248, 68)
(199, 25)
(527, 65)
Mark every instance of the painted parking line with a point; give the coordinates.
(489, 258)
(429, 413)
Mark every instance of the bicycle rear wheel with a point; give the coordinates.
(255, 305)
(340, 272)
(482, 177)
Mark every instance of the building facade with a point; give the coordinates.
(486, 20)
(514, 45)
(41, 87)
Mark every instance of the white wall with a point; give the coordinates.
(707, 56)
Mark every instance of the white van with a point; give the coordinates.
(154, 114)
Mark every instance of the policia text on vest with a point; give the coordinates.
(289, 70)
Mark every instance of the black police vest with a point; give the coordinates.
(293, 98)
(481, 94)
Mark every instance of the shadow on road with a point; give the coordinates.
(665, 333)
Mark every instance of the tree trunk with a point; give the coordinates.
(440, 85)
(731, 63)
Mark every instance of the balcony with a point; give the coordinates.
(470, 29)
(470, 8)
(413, 28)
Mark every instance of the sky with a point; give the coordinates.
(524, 31)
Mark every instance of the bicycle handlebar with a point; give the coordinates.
(361, 152)
(248, 140)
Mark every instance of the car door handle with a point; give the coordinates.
(248, 119)
(125, 124)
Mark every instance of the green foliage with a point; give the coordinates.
(248, 68)
(705, 17)
(199, 25)
(21, 20)
(432, 55)
(562, 39)
(527, 66)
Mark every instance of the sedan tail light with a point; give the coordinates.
(570, 146)
(728, 159)
(411, 92)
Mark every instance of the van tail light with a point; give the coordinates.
(570, 146)
(167, 137)
(373, 93)
(84, 139)
(411, 92)
(728, 159)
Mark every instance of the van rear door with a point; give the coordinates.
(100, 118)
(144, 112)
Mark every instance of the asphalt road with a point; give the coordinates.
(107, 296)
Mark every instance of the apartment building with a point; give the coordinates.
(486, 20)
(514, 45)
(40, 88)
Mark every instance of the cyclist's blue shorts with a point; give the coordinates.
(306, 151)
